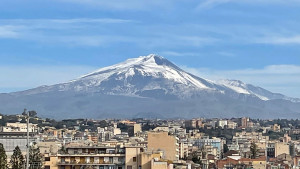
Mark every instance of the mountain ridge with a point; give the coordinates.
(150, 80)
(146, 65)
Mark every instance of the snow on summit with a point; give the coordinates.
(151, 65)
(155, 76)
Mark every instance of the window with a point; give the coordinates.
(47, 158)
(129, 167)
(47, 167)
(134, 159)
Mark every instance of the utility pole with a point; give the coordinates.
(27, 153)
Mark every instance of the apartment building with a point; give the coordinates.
(78, 157)
(168, 144)
(213, 142)
(95, 157)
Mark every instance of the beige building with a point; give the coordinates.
(244, 122)
(231, 125)
(276, 127)
(50, 161)
(77, 157)
(94, 157)
(146, 159)
(19, 127)
(281, 148)
(161, 141)
(49, 147)
(137, 128)
(161, 128)
(132, 157)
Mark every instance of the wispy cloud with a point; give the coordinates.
(8, 31)
(227, 54)
(207, 4)
(174, 53)
(124, 5)
(66, 21)
(105, 31)
(211, 3)
(276, 78)
(280, 40)
(74, 32)
(93, 41)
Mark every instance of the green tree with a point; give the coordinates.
(253, 150)
(17, 159)
(32, 113)
(225, 148)
(35, 157)
(3, 157)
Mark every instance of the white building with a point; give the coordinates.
(222, 123)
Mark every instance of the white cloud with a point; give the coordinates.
(283, 79)
(174, 53)
(63, 31)
(8, 31)
(207, 4)
(124, 5)
(48, 22)
(227, 54)
(280, 40)
(90, 32)
(212, 3)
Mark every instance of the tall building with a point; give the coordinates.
(95, 157)
(161, 141)
(77, 157)
(244, 122)
(12, 139)
(213, 142)
(191, 123)
(137, 128)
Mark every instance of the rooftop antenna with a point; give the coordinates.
(27, 150)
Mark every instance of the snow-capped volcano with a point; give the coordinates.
(149, 84)
(155, 76)
(148, 66)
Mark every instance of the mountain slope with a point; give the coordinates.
(147, 85)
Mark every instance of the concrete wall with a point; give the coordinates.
(161, 141)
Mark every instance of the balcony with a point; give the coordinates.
(92, 155)
(88, 163)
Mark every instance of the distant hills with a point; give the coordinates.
(153, 87)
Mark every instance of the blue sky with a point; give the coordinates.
(51, 41)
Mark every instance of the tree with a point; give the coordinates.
(253, 150)
(225, 148)
(17, 159)
(3, 157)
(35, 157)
(24, 112)
(32, 113)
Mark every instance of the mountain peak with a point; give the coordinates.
(150, 83)
(154, 59)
